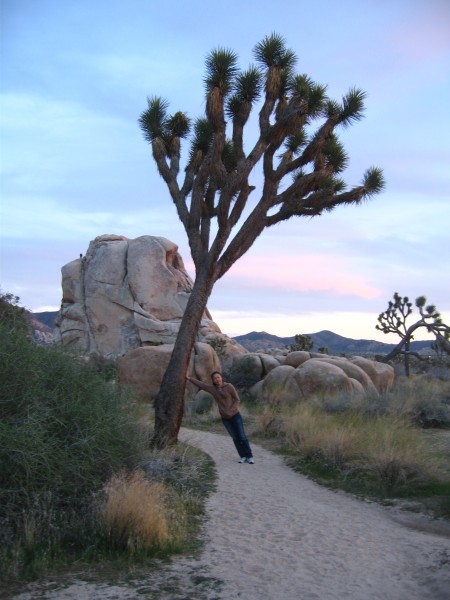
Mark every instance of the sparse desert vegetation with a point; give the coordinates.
(394, 446)
(78, 482)
(383, 449)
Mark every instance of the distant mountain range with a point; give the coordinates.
(261, 341)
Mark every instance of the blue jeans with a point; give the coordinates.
(235, 427)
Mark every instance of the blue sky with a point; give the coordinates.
(75, 76)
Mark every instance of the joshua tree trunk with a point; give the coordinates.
(407, 356)
(169, 403)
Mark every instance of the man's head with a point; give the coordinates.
(216, 378)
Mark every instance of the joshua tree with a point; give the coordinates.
(220, 347)
(302, 342)
(301, 166)
(393, 320)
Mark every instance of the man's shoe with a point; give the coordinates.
(251, 460)
(243, 459)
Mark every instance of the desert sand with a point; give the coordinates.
(272, 534)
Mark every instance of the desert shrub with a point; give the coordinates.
(395, 451)
(219, 346)
(185, 468)
(341, 402)
(134, 512)
(12, 315)
(154, 509)
(201, 403)
(331, 438)
(423, 400)
(269, 420)
(302, 342)
(270, 414)
(105, 366)
(64, 430)
(389, 449)
(201, 412)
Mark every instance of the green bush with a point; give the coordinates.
(64, 431)
(12, 315)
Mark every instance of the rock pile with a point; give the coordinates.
(300, 375)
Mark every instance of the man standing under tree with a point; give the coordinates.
(228, 401)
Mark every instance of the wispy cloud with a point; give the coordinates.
(302, 273)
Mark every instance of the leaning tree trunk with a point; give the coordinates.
(169, 403)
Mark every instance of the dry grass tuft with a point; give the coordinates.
(269, 421)
(422, 400)
(390, 448)
(316, 434)
(395, 451)
(134, 512)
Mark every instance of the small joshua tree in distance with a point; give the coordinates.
(302, 342)
(393, 320)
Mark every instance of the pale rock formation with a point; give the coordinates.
(314, 376)
(296, 358)
(380, 373)
(302, 377)
(352, 370)
(199, 403)
(278, 387)
(127, 293)
(142, 369)
(290, 385)
(256, 365)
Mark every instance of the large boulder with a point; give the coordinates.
(315, 377)
(142, 369)
(278, 387)
(296, 358)
(352, 370)
(255, 365)
(381, 374)
(127, 293)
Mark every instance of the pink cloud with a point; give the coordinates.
(308, 273)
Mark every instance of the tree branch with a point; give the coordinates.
(169, 177)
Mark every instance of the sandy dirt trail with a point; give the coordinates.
(272, 534)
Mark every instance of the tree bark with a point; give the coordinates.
(407, 351)
(169, 403)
